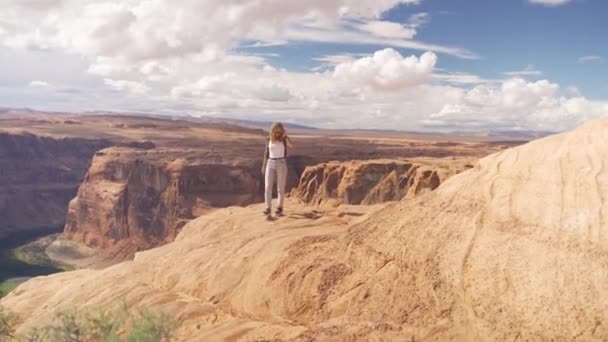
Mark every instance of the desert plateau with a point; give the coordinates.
(457, 247)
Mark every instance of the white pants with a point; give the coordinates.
(276, 170)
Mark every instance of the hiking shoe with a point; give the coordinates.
(279, 211)
(267, 211)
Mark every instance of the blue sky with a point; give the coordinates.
(506, 35)
(510, 35)
(405, 64)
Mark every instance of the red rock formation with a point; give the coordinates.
(133, 200)
(374, 181)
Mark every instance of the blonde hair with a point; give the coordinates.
(278, 133)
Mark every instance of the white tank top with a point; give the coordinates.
(276, 149)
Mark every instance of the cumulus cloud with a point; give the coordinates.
(387, 70)
(445, 101)
(208, 85)
(518, 94)
(122, 36)
(166, 59)
(271, 91)
(156, 71)
(238, 88)
(153, 29)
(516, 103)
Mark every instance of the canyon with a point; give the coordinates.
(124, 183)
(375, 181)
(501, 251)
(38, 177)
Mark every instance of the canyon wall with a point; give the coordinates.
(374, 181)
(38, 177)
(135, 199)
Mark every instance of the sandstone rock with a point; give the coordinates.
(230, 154)
(132, 200)
(375, 181)
(512, 249)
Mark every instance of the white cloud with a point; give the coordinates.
(119, 36)
(126, 86)
(156, 71)
(550, 2)
(161, 56)
(419, 19)
(104, 66)
(39, 84)
(229, 85)
(359, 34)
(519, 94)
(516, 103)
(590, 59)
(207, 86)
(460, 78)
(271, 91)
(529, 70)
(372, 95)
(36, 5)
(388, 29)
(156, 29)
(387, 70)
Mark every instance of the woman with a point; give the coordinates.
(275, 166)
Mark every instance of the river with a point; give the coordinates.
(14, 269)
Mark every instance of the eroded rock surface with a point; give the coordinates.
(375, 181)
(132, 199)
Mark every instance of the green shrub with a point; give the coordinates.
(151, 326)
(73, 327)
(105, 326)
(6, 287)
